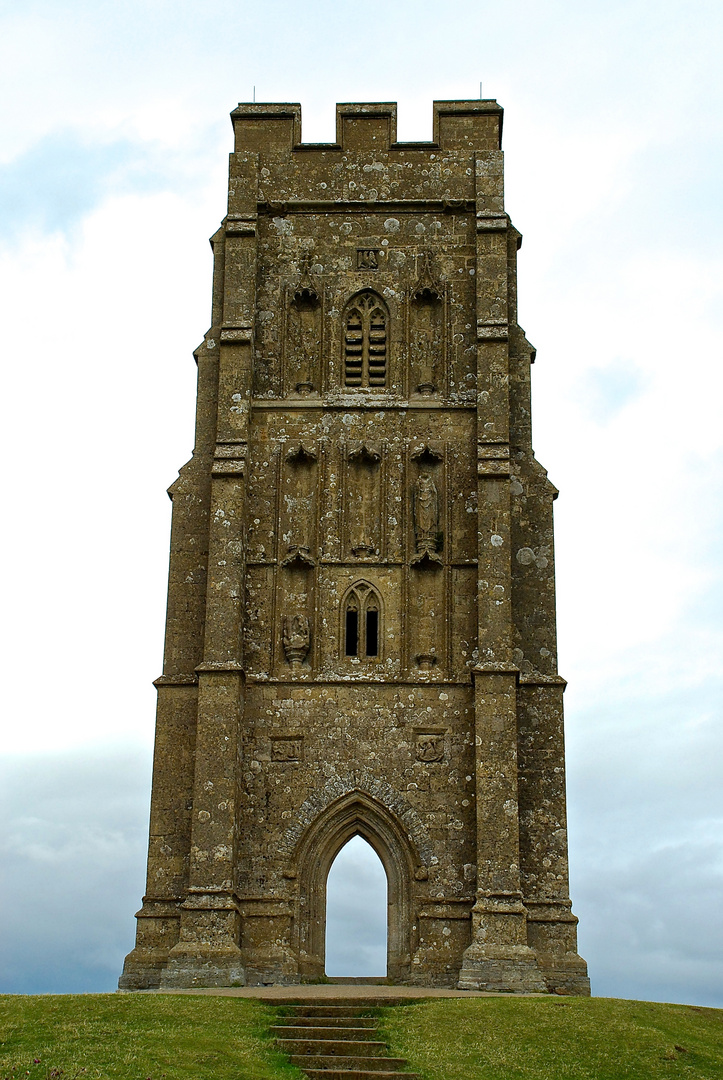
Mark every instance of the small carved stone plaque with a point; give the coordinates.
(286, 749)
(367, 259)
(430, 746)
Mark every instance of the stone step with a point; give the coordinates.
(343, 1001)
(347, 1048)
(349, 1055)
(340, 1031)
(352, 1010)
(324, 1020)
(335, 1061)
(331, 1009)
(357, 1074)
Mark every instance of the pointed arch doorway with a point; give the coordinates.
(355, 814)
(356, 913)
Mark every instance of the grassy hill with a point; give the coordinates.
(169, 1037)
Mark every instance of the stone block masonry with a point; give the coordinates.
(361, 612)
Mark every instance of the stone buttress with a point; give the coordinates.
(361, 610)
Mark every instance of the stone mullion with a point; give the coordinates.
(498, 955)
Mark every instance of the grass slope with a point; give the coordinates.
(189, 1037)
(554, 1039)
(144, 1037)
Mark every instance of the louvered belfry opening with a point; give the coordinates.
(365, 342)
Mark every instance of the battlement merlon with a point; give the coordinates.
(457, 125)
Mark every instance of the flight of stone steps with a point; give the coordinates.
(337, 1042)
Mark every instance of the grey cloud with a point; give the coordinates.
(356, 913)
(646, 838)
(73, 851)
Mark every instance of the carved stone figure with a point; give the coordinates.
(430, 747)
(426, 514)
(296, 638)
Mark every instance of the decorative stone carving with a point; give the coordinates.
(427, 288)
(426, 519)
(428, 453)
(286, 749)
(430, 746)
(367, 259)
(296, 639)
(301, 453)
(364, 453)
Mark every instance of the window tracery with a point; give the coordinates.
(361, 623)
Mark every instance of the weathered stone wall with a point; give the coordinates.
(361, 620)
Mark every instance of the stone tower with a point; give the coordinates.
(361, 610)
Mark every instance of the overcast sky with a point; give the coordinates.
(113, 160)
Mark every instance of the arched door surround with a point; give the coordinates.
(356, 813)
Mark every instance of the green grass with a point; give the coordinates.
(195, 1037)
(129, 1037)
(553, 1039)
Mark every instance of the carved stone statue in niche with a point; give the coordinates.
(426, 519)
(426, 328)
(296, 639)
(363, 499)
(304, 330)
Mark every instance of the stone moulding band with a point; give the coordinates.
(176, 680)
(353, 401)
(382, 206)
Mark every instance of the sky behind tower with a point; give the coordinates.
(113, 160)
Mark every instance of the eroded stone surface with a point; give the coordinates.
(361, 616)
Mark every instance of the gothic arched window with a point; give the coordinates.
(361, 626)
(365, 341)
